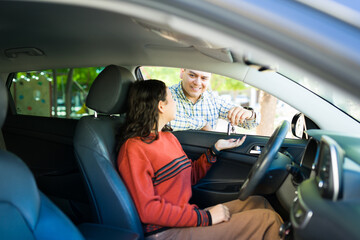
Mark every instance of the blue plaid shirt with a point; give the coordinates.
(208, 109)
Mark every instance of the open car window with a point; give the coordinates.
(272, 110)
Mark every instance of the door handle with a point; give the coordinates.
(256, 150)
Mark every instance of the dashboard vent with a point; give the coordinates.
(331, 159)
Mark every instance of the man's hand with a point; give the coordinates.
(237, 115)
(219, 213)
(207, 127)
(222, 144)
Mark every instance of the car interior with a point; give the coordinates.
(26, 213)
(58, 173)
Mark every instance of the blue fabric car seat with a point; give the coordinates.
(95, 147)
(26, 213)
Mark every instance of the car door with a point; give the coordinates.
(224, 179)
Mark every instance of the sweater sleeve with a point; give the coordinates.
(201, 166)
(137, 173)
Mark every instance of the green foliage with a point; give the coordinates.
(171, 76)
(221, 83)
(86, 76)
(27, 76)
(83, 76)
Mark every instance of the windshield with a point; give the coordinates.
(342, 100)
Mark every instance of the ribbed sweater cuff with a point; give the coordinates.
(209, 216)
(210, 157)
(202, 217)
(214, 151)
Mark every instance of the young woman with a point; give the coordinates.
(159, 177)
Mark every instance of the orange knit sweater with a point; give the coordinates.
(159, 177)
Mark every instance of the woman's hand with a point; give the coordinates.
(219, 213)
(222, 144)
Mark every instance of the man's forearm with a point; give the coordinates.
(181, 124)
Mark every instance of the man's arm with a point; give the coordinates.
(183, 122)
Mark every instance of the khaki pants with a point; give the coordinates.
(253, 218)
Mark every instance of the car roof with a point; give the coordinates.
(224, 37)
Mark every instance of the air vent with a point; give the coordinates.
(330, 168)
(325, 183)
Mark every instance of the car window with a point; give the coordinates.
(273, 111)
(53, 93)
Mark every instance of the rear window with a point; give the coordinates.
(53, 93)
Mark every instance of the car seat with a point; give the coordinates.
(95, 147)
(25, 212)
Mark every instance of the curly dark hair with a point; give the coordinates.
(143, 115)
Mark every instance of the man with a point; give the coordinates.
(199, 109)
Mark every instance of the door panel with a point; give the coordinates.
(224, 179)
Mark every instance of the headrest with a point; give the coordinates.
(109, 91)
(3, 104)
(18, 187)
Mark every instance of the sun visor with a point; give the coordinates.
(221, 54)
(203, 46)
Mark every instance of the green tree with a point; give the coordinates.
(171, 76)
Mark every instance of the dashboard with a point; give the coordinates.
(327, 203)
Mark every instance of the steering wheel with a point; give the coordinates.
(264, 161)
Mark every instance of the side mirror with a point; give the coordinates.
(298, 126)
(300, 123)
